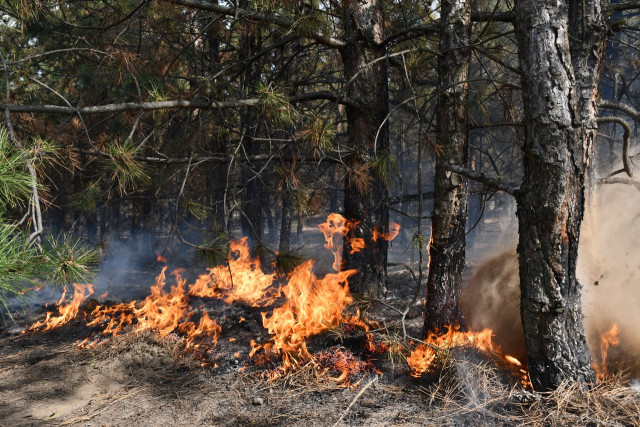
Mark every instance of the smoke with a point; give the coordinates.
(608, 269)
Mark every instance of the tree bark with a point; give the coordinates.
(449, 219)
(551, 198)
(367, 85)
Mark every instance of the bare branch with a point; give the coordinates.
(167, 105)
(35, 198)
(620, 106)
(623, 5)
(256, 16)
(491, 182)
(626, 181)
(625, 140)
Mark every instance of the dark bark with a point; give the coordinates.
(551, 198)
(449, 219)
(586, 19)
(367, 86)
(252, 219)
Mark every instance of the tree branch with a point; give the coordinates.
(495, 183)
(167, 105)
(626, 181)
(622, 5)
(626, 163)
(256, 16)
(620, 106)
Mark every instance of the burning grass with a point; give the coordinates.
(303, 339)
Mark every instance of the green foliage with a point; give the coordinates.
(85, 200)
(214, 252)
(197, 210)
(319, 132)
(68, 261)
(15, 181)
(19, 262)
(127, 171)
(284, 262)
(385, 166)
(275, 106)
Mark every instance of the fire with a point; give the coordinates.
(394, 230)
(424, 357)
(334, 229)
(608, 339)
(307, 305)
(67, 311)
(241, 280)
(312, 306)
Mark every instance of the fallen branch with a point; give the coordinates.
(360, 393)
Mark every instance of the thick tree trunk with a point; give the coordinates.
(367, 85)
(551, 198)
(449, 219)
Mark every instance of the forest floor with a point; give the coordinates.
(141, 379)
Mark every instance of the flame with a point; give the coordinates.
(608, 339)
(67, 311)
(241, 280)
(312, 306)
(334, 229)
(161, 259)
(423, 356)
(308, 305)
(394, 230)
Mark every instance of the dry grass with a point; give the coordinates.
(611, 403)
(473, 389)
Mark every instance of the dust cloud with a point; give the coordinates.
(608, 269)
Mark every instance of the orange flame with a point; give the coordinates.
(423, 357)
(67, 311)
(334, 229)
(394, 230)
(241, 280)
(312, 306)
(608, 339)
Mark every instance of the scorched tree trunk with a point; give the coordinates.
(449, 218)
(551, 198)
(365, 191)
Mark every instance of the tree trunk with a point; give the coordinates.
(365, 192)
(551, 198)
(252, 219)
(449, 219)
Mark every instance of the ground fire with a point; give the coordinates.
(293, 308)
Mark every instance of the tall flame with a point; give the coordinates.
(241, 280)
(608, 339)
(312, 306)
